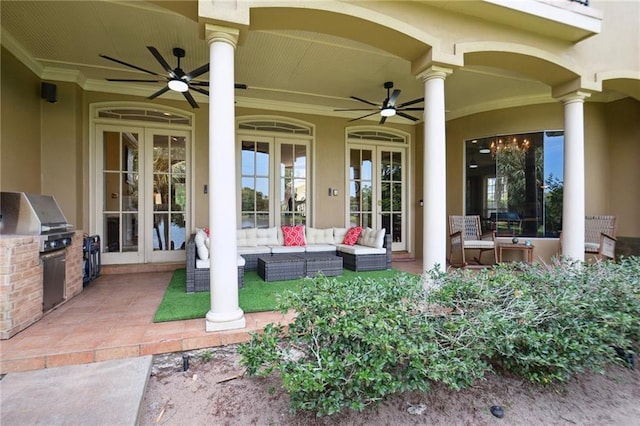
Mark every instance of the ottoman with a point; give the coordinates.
(330, 266)
(281, 267)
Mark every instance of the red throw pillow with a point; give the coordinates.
(352, 235)
(294, 235)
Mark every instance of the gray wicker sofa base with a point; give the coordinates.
(368, 262)
(290, 267)
(198, 278)
(281, 268)
(327, 265)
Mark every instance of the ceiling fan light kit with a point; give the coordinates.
(178, 85)
(388, 112)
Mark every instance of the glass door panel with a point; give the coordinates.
(361, 187)
(118, 189)
(392, 195)
(168, 195)
(255, 158)
(293, 184)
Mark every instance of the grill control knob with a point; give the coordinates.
(53, 244)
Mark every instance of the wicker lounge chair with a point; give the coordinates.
(465, 233)
(599, 236)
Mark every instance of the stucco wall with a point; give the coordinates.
(61, 151)
(41, 141)
(623, 136)
(596, 160)
(21, 111)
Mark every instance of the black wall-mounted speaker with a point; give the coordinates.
(49, 92)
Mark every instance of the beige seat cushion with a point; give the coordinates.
(479, 244)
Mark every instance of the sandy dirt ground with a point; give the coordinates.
(215, 392)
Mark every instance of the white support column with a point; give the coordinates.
(225, 312)
(573, 205)
(434, 238)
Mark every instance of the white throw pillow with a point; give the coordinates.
(319, 236)
(246, 237)
(201, 245)
(372, 238)
(367, 237)
(267, 236)
(338, 235)
(379, 240)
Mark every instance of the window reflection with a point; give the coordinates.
(514, 182)
(255, 184)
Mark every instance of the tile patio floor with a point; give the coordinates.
(112, 319)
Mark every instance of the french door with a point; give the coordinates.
(274, 177)
(142, 193)
(377, 190)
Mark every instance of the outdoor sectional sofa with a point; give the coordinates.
(371, 252)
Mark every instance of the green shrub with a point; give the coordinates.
(353, 344)
(548, 322)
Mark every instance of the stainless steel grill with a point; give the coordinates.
(34, 214)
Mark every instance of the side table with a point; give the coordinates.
(527, 249)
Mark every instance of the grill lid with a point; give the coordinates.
(30, 214)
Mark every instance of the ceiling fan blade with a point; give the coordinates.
(129, 65)
(159, 92)
(198, 72)
(364, 116)
(132, 80)
(199, 90)
(402, 114)
(393, 98)
(189, 98)
(357, 109)
(382, 119)
(162, 62)
(415, 101)
(410, 109)
(240, 86)
(363, 100)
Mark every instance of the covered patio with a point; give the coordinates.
(111, 319)
(309, 68)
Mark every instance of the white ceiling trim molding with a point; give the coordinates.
(21, 53)
(137, 90)
(500, 104)
(63, 74)
(271, 105)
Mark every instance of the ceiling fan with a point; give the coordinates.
(388, 108)
(176, 79)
